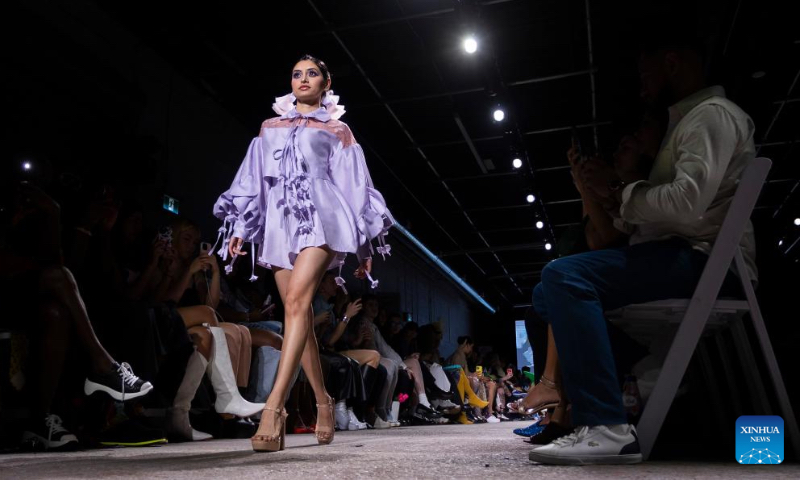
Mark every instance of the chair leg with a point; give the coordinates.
(747, 359)
(790, 421)
(712, 384)
(730, 378)
(678, 358)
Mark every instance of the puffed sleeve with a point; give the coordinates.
(241, 206)
(349, 173)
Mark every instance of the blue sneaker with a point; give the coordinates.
(529, 431)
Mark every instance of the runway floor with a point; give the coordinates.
(450, 451)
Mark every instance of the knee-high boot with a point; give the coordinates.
(222, 379)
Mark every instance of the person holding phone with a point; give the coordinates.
(304, 193)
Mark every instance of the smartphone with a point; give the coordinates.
(165, 234)
(576, 140)
(268, 301)
(205, 248)
(478, 370)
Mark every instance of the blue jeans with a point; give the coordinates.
(576, 290)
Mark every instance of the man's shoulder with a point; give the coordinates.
(717, 106)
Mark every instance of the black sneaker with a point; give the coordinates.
(49, 434)
(131, 433)
(121, 384)
(427, 411)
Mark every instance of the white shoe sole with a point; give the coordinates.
(51, 445)
(585, 459)
(90, 387)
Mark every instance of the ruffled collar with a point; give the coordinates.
(330, 109)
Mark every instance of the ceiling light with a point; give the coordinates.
(780, 242)
(797, 221)
(540, 224)
(531, 198)
(499, 115)
(517, 163)
(470, 45)
(27, 166)
(547, 246)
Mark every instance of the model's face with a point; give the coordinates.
(308, 84)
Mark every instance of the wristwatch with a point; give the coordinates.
(345, 319)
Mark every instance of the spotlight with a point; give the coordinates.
(780, 243)
(470, 45)
(530, 198)
(540, 224)
(797, 221)
(517, 163)
(547, 246)
(27, 166)
(499, 115)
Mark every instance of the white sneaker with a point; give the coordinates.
(341, 416)
(381, 424)
(492, 419)
(355, 423)
(603, 444)
(392, 421)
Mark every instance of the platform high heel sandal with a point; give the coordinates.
(518, 407)
(325, 434)
(275, 440)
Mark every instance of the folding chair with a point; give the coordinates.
(693, 317)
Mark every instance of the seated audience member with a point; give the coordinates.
(632, 159)
(223, 350)
(47, 305)
(362, 333)
(329, 328)
(467, 382)
(674, 215)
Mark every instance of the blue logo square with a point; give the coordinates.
(759, 440)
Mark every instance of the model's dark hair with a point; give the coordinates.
(323, 68)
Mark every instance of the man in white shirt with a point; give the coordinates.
(674, 216)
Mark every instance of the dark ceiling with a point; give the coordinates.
(421, 106)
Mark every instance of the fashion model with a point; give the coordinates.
(304, 195)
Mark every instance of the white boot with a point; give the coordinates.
(340, 414)
(355, 423)
(221, 374)
(178, 416)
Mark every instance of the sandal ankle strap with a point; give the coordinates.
(547, 382)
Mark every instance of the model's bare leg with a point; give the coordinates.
(297, 288)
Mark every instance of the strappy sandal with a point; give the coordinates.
(325, 434)
(519, 408)
(276, 440)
